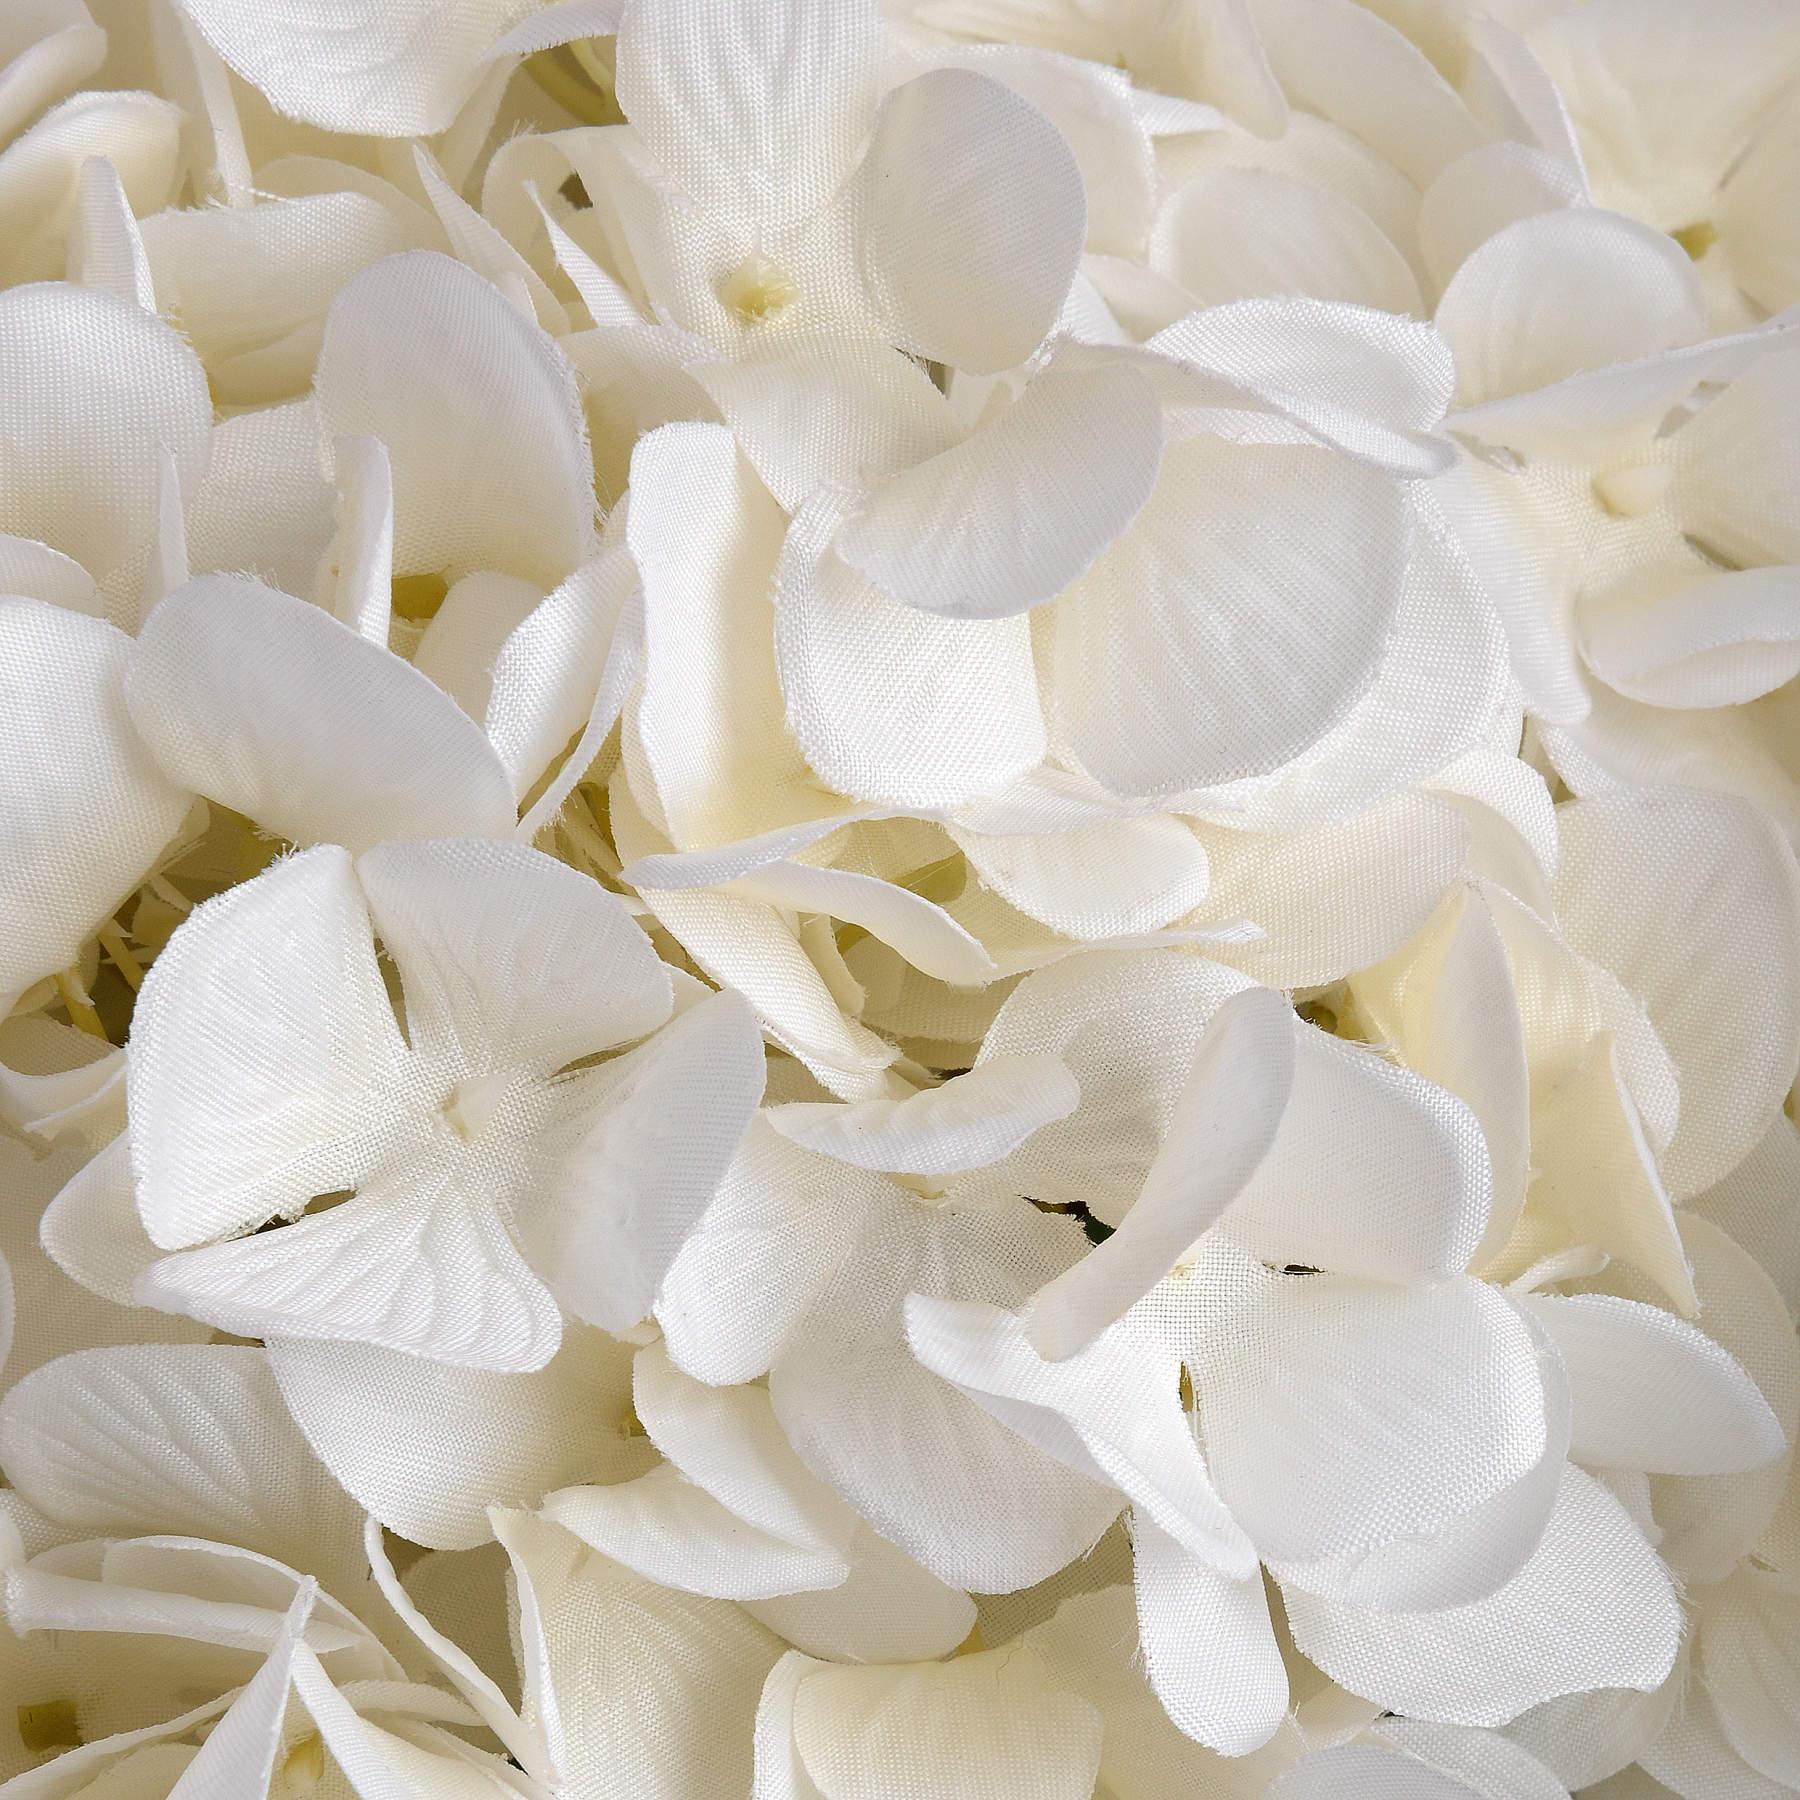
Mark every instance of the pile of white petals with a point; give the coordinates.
(899, 902)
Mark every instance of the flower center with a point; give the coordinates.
(304, 1766)
(474, 1102)
(758, 288)
(1631, 492)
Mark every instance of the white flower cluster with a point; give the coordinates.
(898, 902)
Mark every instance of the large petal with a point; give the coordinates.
(508, 956)
(98, 390)
(1011, 516)
(86, 810)
(705, 535)
(273, 708)
(757, 112)
(1750, 1662)
(1338, 1415)
(1692, 900)
(386, 70)
(188, 1438)
(264, 1054)
(974, 222)
(1592, 1608)
(480, 415)
(919, 1459)
(971, 1121)
(1561, 293)
(1226, 1118)
(1209, 1646)
(657, 1129)
(422, 1264)
(1401, 1196)
(427, 1447)
(1652, 1392)
(1208, 643)
(593, 1631)
(1111, 1412)
(891, 703)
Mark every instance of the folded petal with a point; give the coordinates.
(479, 412)
(264, 1054)
(1209, 1645)
(974, 221)
(1594, 1607)
(509, 956)
(1653, 1392)
(1011, 516)
(86, 809)
(1206, 645)
(427, 1447)
(891, 703)
(270, 706)
(1226, 1118)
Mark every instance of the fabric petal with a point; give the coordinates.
(1011, 516)
(1594, 1607)
(480, 415)
(270, 706)
(975, 220)
(1226, 1118)
(427, 1447)
(264, 1054)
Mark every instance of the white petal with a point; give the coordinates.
(480, 415)
(389, 70)
(427, 1448)
(780, 1222)
(917, 1458)
(1692, 901)
(1106, 1411)
(1721, 641)
(462, 639)
(46, 51)
(97, 390)
(757, 113)
(710, 715)
(506, 954)
(1748, 1660)
(1209, 1647)
(271, 707)
(975, 220)
(1561, 293)
(1011, 516)
(1226, 1118)
(1653, 1392)
(891, 703)
(977, 1725)
(1401, 1196)
(695, 1667)
(971, 1121)
(1592, 1608)
(1338, 1415)
(1241, 234)
(86, 809)
(674, 1533)
(420, 1264)
(263, 1054)
(106, 250)
(1117, 878)
(176, 1438)
(833, 413)
(605, 1227)
(1483, 192)
(1206, 645)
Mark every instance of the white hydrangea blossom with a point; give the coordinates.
(898, 899)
